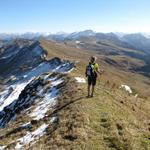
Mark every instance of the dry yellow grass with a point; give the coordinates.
(111, 120)
(112, 73)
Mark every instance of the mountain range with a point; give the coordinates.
(43, 103)
(140, 41)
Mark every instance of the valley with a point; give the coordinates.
(43, 94)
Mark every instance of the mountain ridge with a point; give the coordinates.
(49, 108)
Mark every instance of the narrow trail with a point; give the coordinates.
(56, 110)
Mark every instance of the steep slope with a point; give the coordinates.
(52, 111)
(114, 39)
(114, 118)
(118, 67)
(27, 99)
(139, 41)
(111, 45)
(111, 120)
(32, 111)
(134, 46)
(20, 55)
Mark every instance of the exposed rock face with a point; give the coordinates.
(21, 93)
(20, 56)
(22, 63)
(37, 90)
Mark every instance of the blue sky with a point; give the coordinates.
(74, 15)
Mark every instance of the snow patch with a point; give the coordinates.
(25, 76)
(18, 87)
(48, 101)
(126, 88)
(10, 97)
(57, 82)
(80, 80)
(2, 147)
(26, 125)
(31, 136)
(46, 67)
(136, 95)
(43, 106)
(53, 119)
(16, 90)
(64, 68)
(78, 42)
(7, 56)
(43, 67)
(69, 70)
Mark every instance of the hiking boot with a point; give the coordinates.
(88, 96)
(91, 95)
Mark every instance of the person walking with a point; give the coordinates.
(92, 71)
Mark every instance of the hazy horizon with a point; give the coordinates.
(65, 32)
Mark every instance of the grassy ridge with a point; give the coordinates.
(111, 120)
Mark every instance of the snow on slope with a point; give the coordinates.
(42, 106)
(18, 98)
(9, 55)
(31, 136)
(16, 90)
(78, 42)
(126, 88)
(32, 90)
(43, 67)
(30, 75)
(20, 56)
(2, 147)
(80, 80)
(47, 101)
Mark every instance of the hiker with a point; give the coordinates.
(92, 70)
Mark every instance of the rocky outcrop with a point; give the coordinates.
(37, 90)
(20, 56)
(22, 63)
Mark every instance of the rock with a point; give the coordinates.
(34, 122)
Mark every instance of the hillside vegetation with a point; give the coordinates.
(113, 119)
